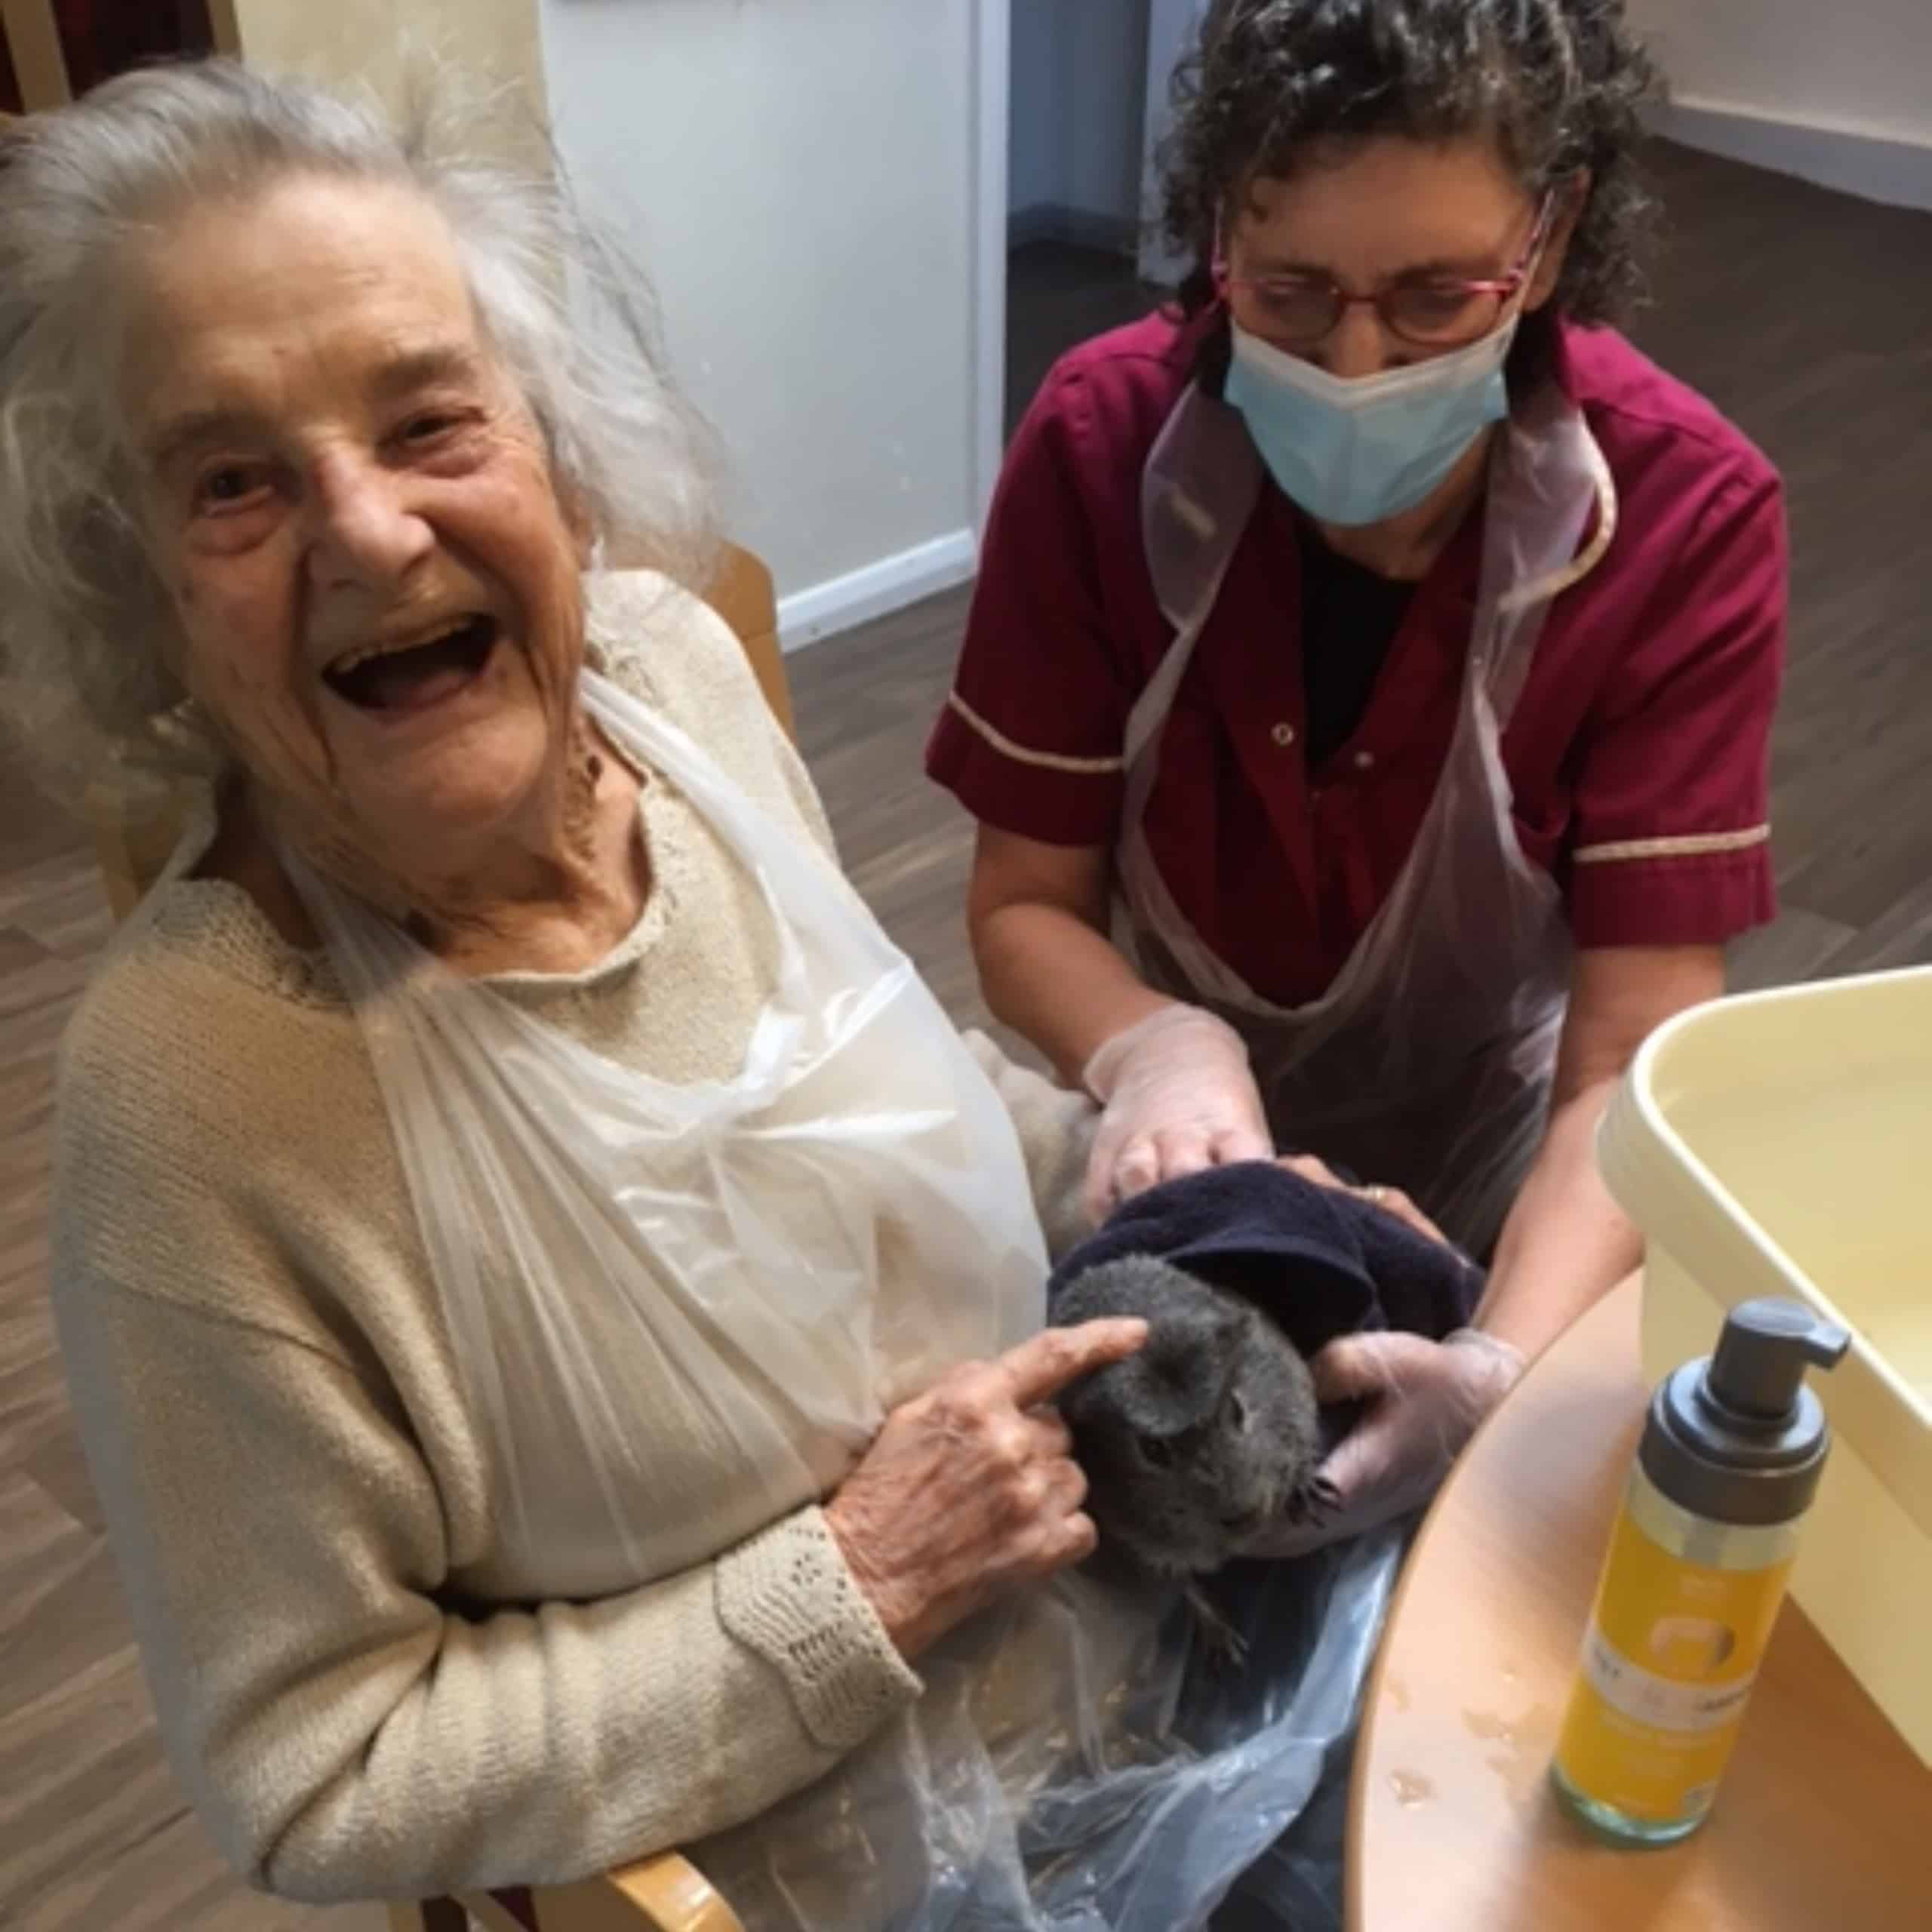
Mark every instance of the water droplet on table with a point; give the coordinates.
(1491, 1728)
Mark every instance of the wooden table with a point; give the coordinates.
(1823, 1824)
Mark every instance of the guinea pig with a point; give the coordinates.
(1211, 1431)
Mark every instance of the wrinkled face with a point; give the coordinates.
(1380, 212)
(375, 589)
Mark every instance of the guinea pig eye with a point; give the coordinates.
(1161, 1454)
(1239, 1414)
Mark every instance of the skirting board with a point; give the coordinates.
(1078, 228)
(1874, 166)
(890, 584)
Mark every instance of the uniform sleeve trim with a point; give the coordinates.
(1045, 761)
(1688, 846)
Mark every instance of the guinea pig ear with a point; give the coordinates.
(1226, 1344)
(1233, 1328)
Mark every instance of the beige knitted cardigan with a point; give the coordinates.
(363, 1693)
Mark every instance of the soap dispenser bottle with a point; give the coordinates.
(1729, 1463)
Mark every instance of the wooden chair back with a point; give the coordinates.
(667, 1893)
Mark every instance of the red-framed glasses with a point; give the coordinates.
(1431, 311)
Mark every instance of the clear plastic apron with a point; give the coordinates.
(1427, 1063)
(606, 1245)
(602, 1239)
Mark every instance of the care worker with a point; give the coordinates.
(1366, 694)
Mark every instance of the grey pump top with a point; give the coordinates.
(1735, 1436)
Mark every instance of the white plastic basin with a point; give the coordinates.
(1781, 1143)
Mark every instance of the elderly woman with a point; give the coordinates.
(553, 1310)
(301, 468)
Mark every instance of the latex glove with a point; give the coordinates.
(1177, 1096)
(1425, 1399)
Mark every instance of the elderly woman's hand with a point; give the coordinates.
(971, 1487)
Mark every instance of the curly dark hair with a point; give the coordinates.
(1560, 85)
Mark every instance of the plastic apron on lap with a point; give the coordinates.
(1428, 1062)
(602, 1241)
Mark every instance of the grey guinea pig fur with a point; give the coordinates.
(1209, 1431)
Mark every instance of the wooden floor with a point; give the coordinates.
(1806, 316)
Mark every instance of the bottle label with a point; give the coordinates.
(1672, 1651)
(1668, 1703)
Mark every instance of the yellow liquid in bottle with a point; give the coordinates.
(1684, 1611)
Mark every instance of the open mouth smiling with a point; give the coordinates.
(404, 677)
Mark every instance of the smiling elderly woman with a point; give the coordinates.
(505, 1486)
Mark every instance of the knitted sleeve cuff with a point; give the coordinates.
(787, 1595)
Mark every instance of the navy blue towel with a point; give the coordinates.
(1319, 1263)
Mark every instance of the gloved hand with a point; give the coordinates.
(1177, 1096)
(1426, 1398)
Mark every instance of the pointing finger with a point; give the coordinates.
(1038, 1369)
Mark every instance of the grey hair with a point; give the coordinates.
(83, 615)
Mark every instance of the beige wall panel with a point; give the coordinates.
(490, 44)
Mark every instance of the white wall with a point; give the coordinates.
(1079, 77)
(1840, 92)
(799, 176)
(1861, 64)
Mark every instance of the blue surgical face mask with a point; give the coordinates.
(1353, 451)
